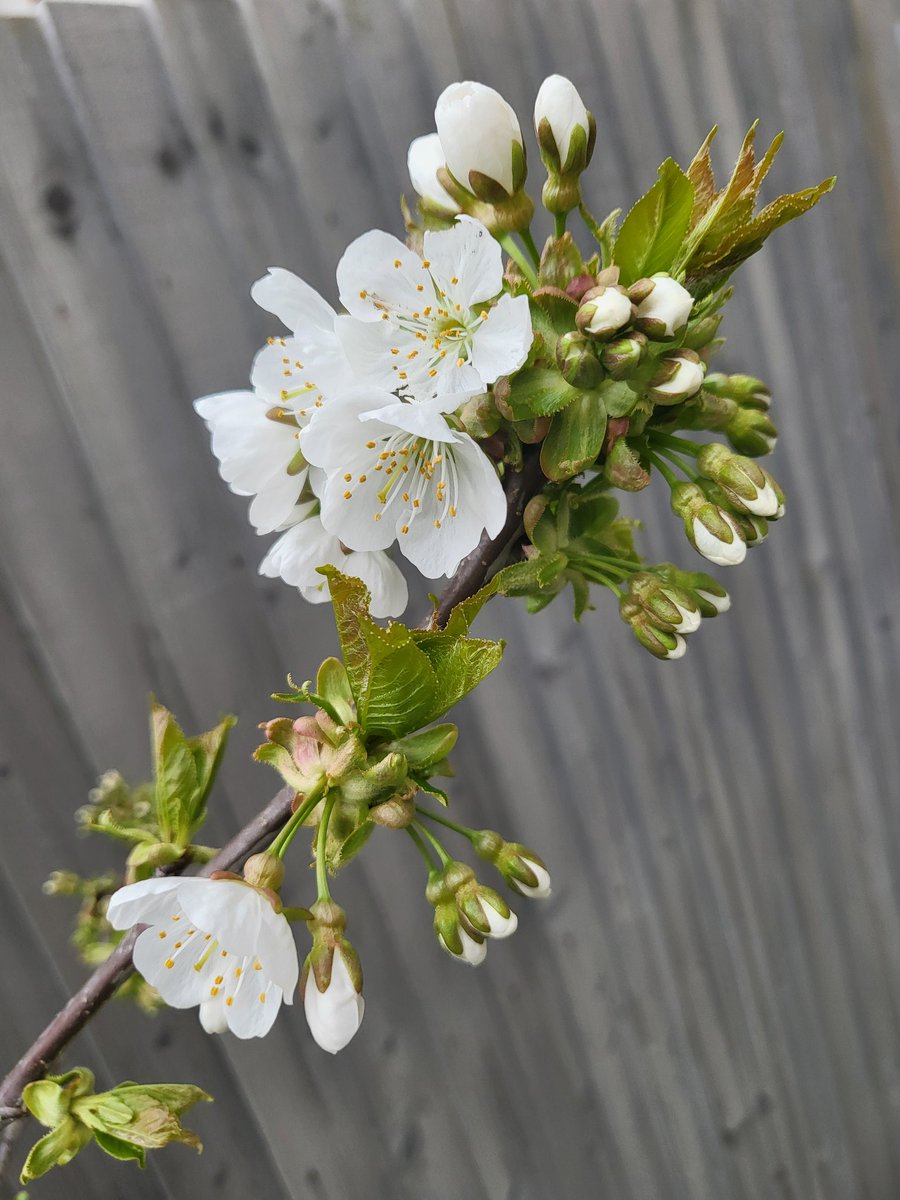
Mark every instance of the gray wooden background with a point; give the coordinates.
(708, 1007)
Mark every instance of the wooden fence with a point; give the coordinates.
(708, 1008)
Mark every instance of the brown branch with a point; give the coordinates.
(79, 1009)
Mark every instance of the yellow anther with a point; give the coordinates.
(412, 354)
(426, 312)
(214, 991)
(262, 997)
(178, 945)
(229, 1000)
(162, 933)
(406, 496)
(170, 963)
(420, 287)
(384, 316)
(416, 503)
(370, 445)
(363, 294)
(460, 362)
(437, 524)
(378, 516)
(347, 495)
(397, 262)
(484, 314)
(362, 479)
(219, 979)
(426, 263)
(452, 510)
(404, 529)
(257, 966)
(432, 372)
(402, 375)
(238, 971)
(454, 280)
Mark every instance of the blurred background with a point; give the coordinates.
(708, 1006)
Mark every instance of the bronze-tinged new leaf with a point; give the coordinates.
(653, 232)
(701, 175)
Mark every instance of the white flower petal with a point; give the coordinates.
(720, 603)
(145, 902)
(477, 128)
(335, 1015)
(376, 269)
(293, 301)
(559, 102)
(255, 1005)
(212, 1015)
(473, 952)
(501, 343)
(466, 262)
(722, 553)
(298, 552)
(383, 578)
(501, 927)
(542, 888)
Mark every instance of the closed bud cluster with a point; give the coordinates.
(712, 529)
(566, 133)
(663, 306)
(678, 376)
(749, 428)
(671, 607)
(748, 487)
(524, 871)
(466, 912)
(604, 311)
(331, 982)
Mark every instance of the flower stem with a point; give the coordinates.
(442, 820)
(421, 846)
(677, 460)
(530, 246)
(515, 253)
(286, 835)
(324, 892)
(560, 224)
(664, 469)
(677, 443)
(436, 845)
(597, 576)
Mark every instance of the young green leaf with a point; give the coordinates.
(653, 232)
(174, 772)
(575, 438)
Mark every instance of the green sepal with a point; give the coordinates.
(422, 750)
(55, 1149)
(122, 1150)
(431, 789)
(654, 230)
(559, 307)
(575, 438)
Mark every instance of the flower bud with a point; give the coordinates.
(712, 530)
(331, 983)
(663, 312)
(710, 596)
(483, 911)
(264, 870)
(751, 431)
(753, 529)
(423, 160)
(662, 643)
(481, 140)
(623, 467)
(603, 312)
(564, 128)
(622, 356)
(458, 937)
(701, 332)
(747, 485)
(577, 361)
(748, 391)
(522, 869)
(678, 377)
(671, 607)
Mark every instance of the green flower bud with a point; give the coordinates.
(751, 431)
(622, 356)
(523, 870)
(711, 598)
(577, 362)
(662, 643)
(747, 485)
(671, 607)
(264, 870)
(748, 391)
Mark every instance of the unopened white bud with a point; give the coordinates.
(680, 378)
(423, 160)
(604, 311)
(479, 133)
(720, 603)
(473, 952)
(542, 888)
(559, 103)
(665, 311)
(334, 1015)
(716, 549)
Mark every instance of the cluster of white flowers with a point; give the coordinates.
(346, 439)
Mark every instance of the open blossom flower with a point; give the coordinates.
(426, 326)
(423, 161)
(258, 454)
(255, 433)
(214, 943)
(306, 545)
(402, 472)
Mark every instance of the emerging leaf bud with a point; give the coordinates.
(663, 312)
(747, 485)
(577, 361)
(423, 160)
(264, 870)
(622, 356)
(712, 530)
(679, 376)
(603, 312)
(331, 983)
(623, 467)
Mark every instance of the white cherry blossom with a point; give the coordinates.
(214, 943)
(397, 470)
(478, 131)
(306, 545)
(427, 325)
